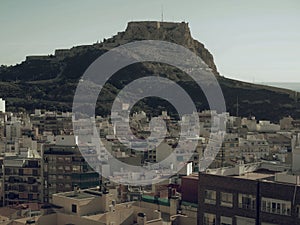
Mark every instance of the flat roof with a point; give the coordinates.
(25, 219)
(78, 195)
(118, 207)
(254, 176)
(193, 176)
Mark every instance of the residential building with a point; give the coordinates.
(251, 195)
(23, 179)
(66, 168)
(93, 207)
(253, 147)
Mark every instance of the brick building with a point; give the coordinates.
(189, 188)
(255, 198)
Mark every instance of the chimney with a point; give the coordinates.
(75, 190)
(141, 219)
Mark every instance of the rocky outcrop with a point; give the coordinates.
(178, 33)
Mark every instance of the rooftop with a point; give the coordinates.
(7, 211)
(80, 195)
(255, 176)
(193, 176)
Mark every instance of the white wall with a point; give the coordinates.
(2, 105)
(66, 140)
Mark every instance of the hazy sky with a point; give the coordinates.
(251, 40)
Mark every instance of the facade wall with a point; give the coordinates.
(99, 204)
(223, 184)
(63, 219)
(23, 181)
(162, 208)
(189, 189)
(2, 105)
(124, 217)
(281, 191)
(187, 220)
(65, 168)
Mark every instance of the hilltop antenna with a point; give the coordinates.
(237, 106)
(162, 13)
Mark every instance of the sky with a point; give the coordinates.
(254, 41)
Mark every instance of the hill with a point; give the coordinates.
(49, 82)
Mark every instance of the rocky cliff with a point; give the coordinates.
(178, 33)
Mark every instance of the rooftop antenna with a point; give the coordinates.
(162, 13)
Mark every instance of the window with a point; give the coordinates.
(276, 206)
(68, 159)
(60, 159)
(76, 168)
(31, 180)
(226, 220)
(74, 208)
(226, 199)
(209, 219)
(35, 172)
(52, 168)
(8, 171)
(61, 168)
(67, 168)
(33, 164)
(35, 188)
(21, 172)
(210, 197)
(21, 188)
(30, 196)
(247, 201)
